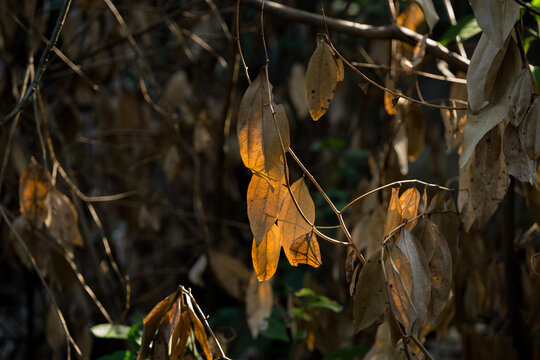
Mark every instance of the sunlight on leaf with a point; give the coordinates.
(305, 250)
(265, 255)
(34, 194)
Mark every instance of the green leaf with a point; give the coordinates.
(348, 353)
(275, 330)
(536, 74)
(119, 355)
(135, 334)
(305, 292)
(322, 302)
(466, 27)
(110, 331)
(328, 143)
(301, 313)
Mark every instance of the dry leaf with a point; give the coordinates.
(401, 146)
(62, 221)
(393, 216)
(260, 144)
(519, 165)
(412, 17)
(429, 13)
(390, 101)
(231, 273)
(265, 255)
(370, 298)
(181, 335)
(496, 18)
(200, 333)
(530, 131)
(290, 222)
(520, 96)
(375, 229)
(479, 123)
(34, 194)
(37, 247)
(409, 202)
(297, 90)
(323, 73)
(305, 250)
(259, 301)
(264, 197)
(416, 131)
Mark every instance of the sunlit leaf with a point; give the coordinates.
(323, 73)
(264, 198)
(305, 250)
(34, 194)
(370, 298)
(409, 202)
(393, 216)
(200, 333)
(110, 331)
(290, 222)
(466, 28)
(265, 256)
(181, 334)
(259, 301)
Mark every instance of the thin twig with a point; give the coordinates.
(452, 18)
(528, 7)
(238, 41)
(412, 70)
(42, 62)
(21, 242)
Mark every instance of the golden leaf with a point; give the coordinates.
(265, 255)
(264, 198)
(393, 216)
(34, 191)
(323, 73)
(290, 222)
(305, 250)
(409, 202)
(200, 334)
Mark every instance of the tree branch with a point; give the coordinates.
(361, 30)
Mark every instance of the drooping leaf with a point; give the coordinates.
(259, 301)
(496, 18)
(519, 165)
(429, 12)
(520, 96)
(393, 216)
(323, 73)
(305, 250)
(181, 334)
(264, 198)
(370, 298)
(409, 202)
(297, 90)
(200, 333)
(530, 131)
(421, 284)
(290, 222)
(265, 256)
(401, 146)
(34, 193)
(62, 220)
(480, 122)
(231, 273)
(258, 136)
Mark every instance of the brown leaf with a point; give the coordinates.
(416, 131)
(530, 131)
(259, 301)
(200, 333)
(181, 335)
(323, 73)
(297, 90)
(496, 18)
(260, 145)
(34, 192)
(390, 101)
(264, 198)
(375, 229)
(265, 256)
(152, 321)
(370, 298)
(231, 273)
(290, 222)
(429, 12)
(305, 250)
(409, 202)
(517, 162)
(421, 282)
(62, 221)
(520, 96)
(393, 216)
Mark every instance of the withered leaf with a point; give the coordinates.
(62, 220)
(496, 18)
(409, 202)
(429, 12)
(181, 335)
(393, 216)
(401, 145)
(520, 96)
(264, 198)
(258, 136)
(519, 165)
(265, 255)
(421, 286)
(305, 250)
(400, 287)
(259, 301)
(34, 193)
(369, 297)
(200, 333)
(323, 73)
(290, 222)
(530, 130)
(231, 273)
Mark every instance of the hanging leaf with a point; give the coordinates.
(370, 298)
(520, 96)
(496, 18)
(181, 335)
(264, 198)
(265, 255)
(231, 273)
(34, 194)
(409, 202)
(260, 145)
(429, 13)
(200, 333)
(517, 162)
(305, 250)
(323, 73)
(290, 222)
(62, 221)
(530, 131)
(259, 301)
(393, 216)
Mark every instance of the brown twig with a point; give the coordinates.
(528, 7)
